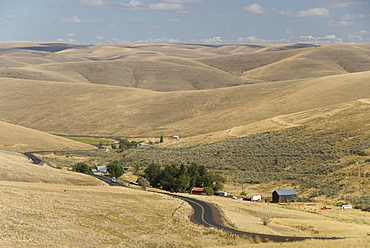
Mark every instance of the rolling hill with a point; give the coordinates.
(265, 116)
(21, 139)
(172, 89)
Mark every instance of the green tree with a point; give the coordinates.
(125, 144)
(152, 174)
(115, 169)
(216, 181)
(183, 183)
(169, 176)
(181, 178)
(198, 175)
(161, 139)
(82, 167)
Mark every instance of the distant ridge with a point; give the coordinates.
(148, 90)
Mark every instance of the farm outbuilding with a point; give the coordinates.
(197, 191)
(284, 195)
(101, 168)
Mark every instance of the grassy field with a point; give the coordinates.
(91, 141)
(70, 213)
(44, 206)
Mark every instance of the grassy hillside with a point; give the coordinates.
(172, 89)
(99, 110)
(20, 139)
(43, 206)
(18, 168)
(327, 153)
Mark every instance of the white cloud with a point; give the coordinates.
(67, 41)
(95, 3)
(338, 24)
(213, 40)
(75, 20)
(255, 9)
(256, 40)
(99, 37)
(313, 13)
(287, 31)
(345, 3)
(183, 1)
(167, 6)
(71, 35)
(158, 40)
(251, 39)
(360, 36)
(349, 17)
(309, 39)
(132, 5)
(9, 17)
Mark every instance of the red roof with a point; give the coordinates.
(197, 189)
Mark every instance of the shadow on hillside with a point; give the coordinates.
(50, 47)
(289, 47)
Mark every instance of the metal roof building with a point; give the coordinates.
(288, 195)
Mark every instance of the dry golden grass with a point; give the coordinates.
(18, 168)
(297, 219)
(21, 139)
(46, 206)
(350, 116)
(117, 90)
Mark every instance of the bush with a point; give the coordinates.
(82, 167)
(266, 218)
(209, 191)
(143, 182)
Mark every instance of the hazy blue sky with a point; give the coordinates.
(185, 21)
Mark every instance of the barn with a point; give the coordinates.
(288, 195)
(197, 191)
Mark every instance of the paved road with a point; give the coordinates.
(31, 156)
(205, 214)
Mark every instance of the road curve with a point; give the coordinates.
(208, 215)
(31, 156)
(205, 213)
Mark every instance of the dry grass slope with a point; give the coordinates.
(20, 139)
(153, 90)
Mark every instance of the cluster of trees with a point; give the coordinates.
(182, 178)
(115, 168)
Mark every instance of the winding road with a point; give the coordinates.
(205, 213)
(208, 215)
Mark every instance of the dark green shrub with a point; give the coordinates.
(115, 169)
(209, 191)
(82, 167)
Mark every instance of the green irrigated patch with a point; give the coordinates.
(91, 141)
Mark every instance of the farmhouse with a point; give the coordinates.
(284, 195)
(197, 191)
(101, 168)
(142, 144)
